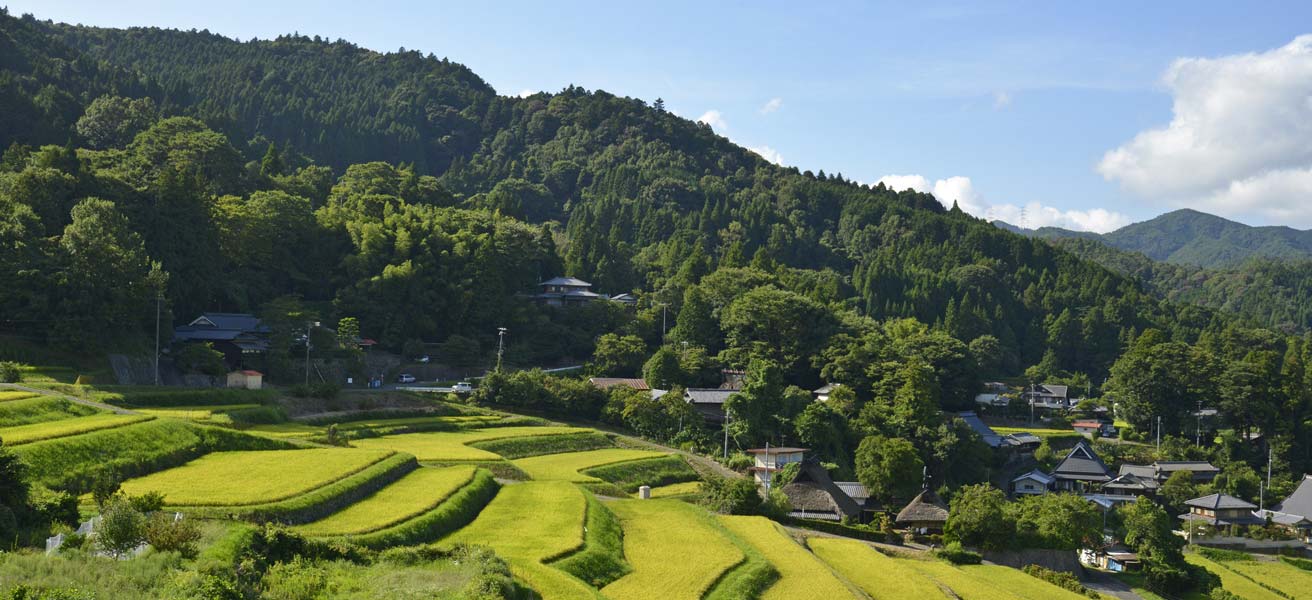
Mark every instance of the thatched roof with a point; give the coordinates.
(925, 508)
(813, 491)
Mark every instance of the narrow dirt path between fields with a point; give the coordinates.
(83, 401)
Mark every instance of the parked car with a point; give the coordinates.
(463, 387)
(406, 378)
(423, 359)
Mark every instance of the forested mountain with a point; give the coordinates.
(1270, 292)
(1190, 237)
(584, 183)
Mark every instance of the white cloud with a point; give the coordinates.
(524, 93)
(771, 106)
(714, 119)
(1001, 100)
(1239, 142)
(1033, 215)
(768, 153)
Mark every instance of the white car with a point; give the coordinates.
(463, 387)
(406, 378)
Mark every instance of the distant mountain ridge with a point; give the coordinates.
(1190, 237)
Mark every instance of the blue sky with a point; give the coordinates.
(1018, 101)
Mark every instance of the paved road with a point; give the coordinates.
(1107, 585)
(83, 401)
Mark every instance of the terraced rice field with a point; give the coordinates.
(675, 490)
(195, 413)
(412, 495)
(410, 421)
(801, 574)
(1289, 579)
(7, 396)
(49, 430)
(657, 530)
(240, 478)
(883, 577)
(451, 445)
(967, 586)
(566, 466)
(529, 524)
(40, 409)
(1019, 583)
(1233, 581)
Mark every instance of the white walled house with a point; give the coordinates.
(770, 460)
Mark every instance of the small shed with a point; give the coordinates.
(925, 514)
(247, 379)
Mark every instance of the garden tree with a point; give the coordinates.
(1238, 479)
(1056, 521)
(843, 400)
(890, 468)
(107, 284)
(978, 518)
(730, 495)
(824, 431)
(955, 453)
(1150, 532)
(662, 370)
(696, 322)
(1044, 455)
(987, 353)
(660, 419)
(618, 356)
(1251, 393)
(112, 121)
(698, 367)
(913, 404)
(1177, 489)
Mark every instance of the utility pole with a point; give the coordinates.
(1198, 429)
(1159, 433)
(159, 297)
(501, 345)
(769, 475)
(663, 306)
(308, 326)
(726, 434)
(1269, 455)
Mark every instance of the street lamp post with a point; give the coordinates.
(501, 345)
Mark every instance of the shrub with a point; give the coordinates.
(957, 555)
(10, 371)
(165, 533)
(148, 502)
(735, 496)
(258, 415)
(1060, 579)
(200, 358)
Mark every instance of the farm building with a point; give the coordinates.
(1048, 395)
(770, 460)
(1034, 483)
(926, 513)
(625, 299)
(821, 394)
(814, 495)
(708, 402)
(236, 335)
(565, 291)
(1221, 510)
(1089, 428)
(606, 383)
(246, 379)
(1080, 469)
(1144, 480)
(1023, 441)
(1295, 511)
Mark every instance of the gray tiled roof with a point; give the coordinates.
(570, 281)
(1299, 502)
(1219, 502)
(1082, 464)
(707, 395)
(990, 437)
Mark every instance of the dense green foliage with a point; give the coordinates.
(545, 444)
(655, 472)
(981, 517)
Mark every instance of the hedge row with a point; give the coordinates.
(538, 445)
(320, 502)
(601, 558)
(455, 512)
(438, 410)
(501, 469)
(633, 474)
(74, 463)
